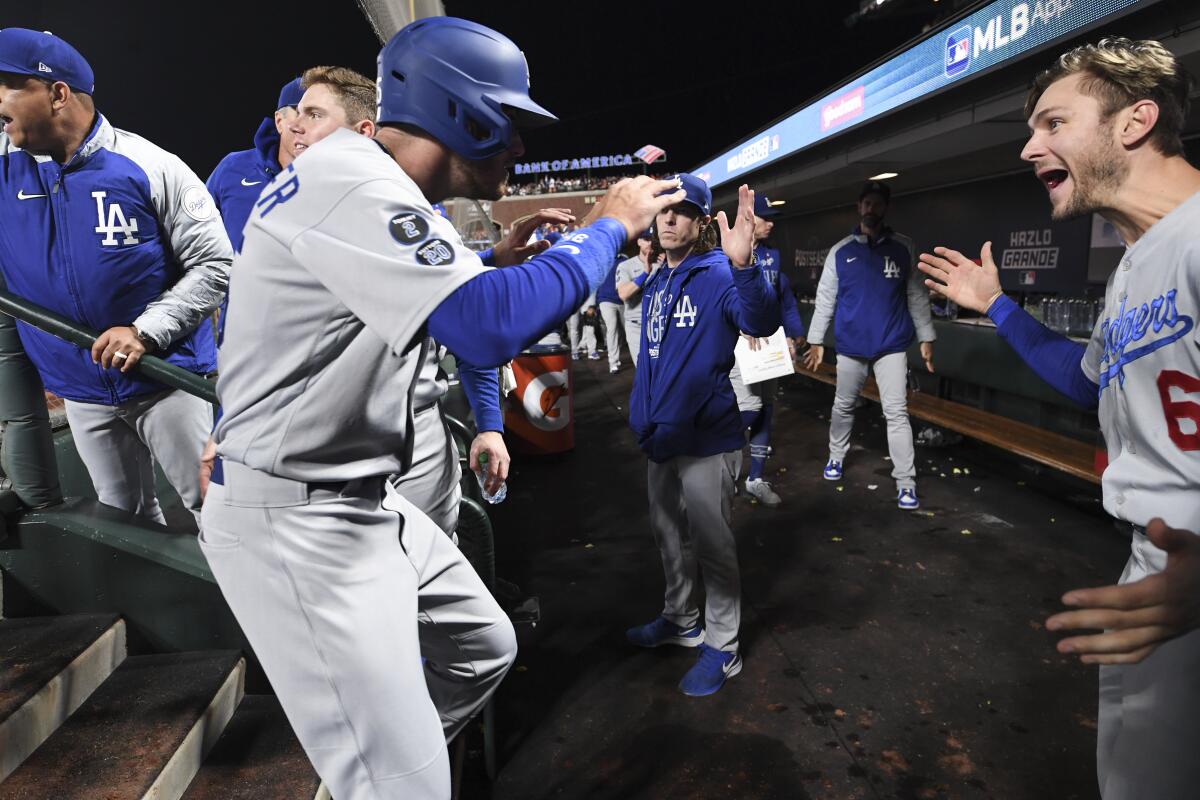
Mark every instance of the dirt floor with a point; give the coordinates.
(888, 654)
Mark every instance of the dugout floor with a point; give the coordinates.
(888, 654)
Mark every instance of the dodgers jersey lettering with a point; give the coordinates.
(1145, 356)
(325, 334)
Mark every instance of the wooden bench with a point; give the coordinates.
(1051, 449)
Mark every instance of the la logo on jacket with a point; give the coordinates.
(116, 222)
(685, 314)
(890, 268)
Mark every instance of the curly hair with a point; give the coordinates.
(1119, 72)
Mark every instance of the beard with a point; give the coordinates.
(1098, 175)
(870, 221)
(478, 180)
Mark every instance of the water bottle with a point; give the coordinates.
(500, 494)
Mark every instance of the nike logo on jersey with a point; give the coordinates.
(851, 258)
(22, 196)
(1128, 327)
(250, 183)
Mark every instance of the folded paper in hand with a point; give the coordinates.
(772, 359)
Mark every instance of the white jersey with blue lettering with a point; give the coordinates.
(1145, 355)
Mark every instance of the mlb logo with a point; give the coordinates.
(958, 51)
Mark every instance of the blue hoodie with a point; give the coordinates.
(239, 179)
(682, 402)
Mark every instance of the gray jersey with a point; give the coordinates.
(1145, 355)
(343, 262)
(627, 270)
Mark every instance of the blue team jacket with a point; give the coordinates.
(239, 179)
(768, 259)
(870, 290)
(682, 401)
(122, 232)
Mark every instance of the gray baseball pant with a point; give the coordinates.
(891, 375)
(750, 395)
(613, 315)
(1148, 725)
(586, 338)
(691, 508)
(27, 449)
(342, 590)
(432, 482)
(120, 445)
(633, 336)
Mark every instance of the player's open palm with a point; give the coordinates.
(738, 241)
(1136, 617)
(971, 285)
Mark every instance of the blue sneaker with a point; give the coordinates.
(907, 499)
(833, 470)
(712, 669)
(662, 631)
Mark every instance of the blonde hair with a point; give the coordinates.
(354, 91)
(1119, 72)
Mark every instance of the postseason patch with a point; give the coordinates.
(408, 228)
(435, 252)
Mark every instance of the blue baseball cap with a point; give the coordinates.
(762, 207)
(698, 193)
(41, 54)
(290, 94)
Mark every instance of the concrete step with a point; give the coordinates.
(48, 667)
(257, 758)
(142, 734)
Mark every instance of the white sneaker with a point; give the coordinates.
(760, 489)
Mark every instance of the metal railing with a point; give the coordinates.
(71, 331)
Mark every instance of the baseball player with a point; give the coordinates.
(612, 312)
(756, 401)
(685, 416)
(1105, 123)
(631, 275)
(875, 299)
(582, 335)
(378, 637)
(134, 235)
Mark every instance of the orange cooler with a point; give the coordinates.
(539, 415)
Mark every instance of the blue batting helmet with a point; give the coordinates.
(462, 83)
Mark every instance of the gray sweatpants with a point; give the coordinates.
(120, 445)
(891, 375)
(691, 508)
(341, 594)
(633, 336)
(1148, 726)
(432, 483)
(613, 315)
(27, 451)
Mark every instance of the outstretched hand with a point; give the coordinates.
(971, 285)
(516, 247)
(738, 241)
(1137, 617)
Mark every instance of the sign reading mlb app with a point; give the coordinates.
(958, 51)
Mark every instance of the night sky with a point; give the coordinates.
(198, 78)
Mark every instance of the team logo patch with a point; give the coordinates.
(197, 203)
(435, 252)
(408, 228)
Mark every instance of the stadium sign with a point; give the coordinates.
(571, 164)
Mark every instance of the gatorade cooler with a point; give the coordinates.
(539, 415)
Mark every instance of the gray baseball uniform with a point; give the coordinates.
(340, 590)
(1145, 356)
(627, 270)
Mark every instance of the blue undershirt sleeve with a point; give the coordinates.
(793, 325)
(497, 314)
(1055, 358)
(488, 257)
(482, 387)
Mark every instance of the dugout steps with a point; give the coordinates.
(78, 719)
